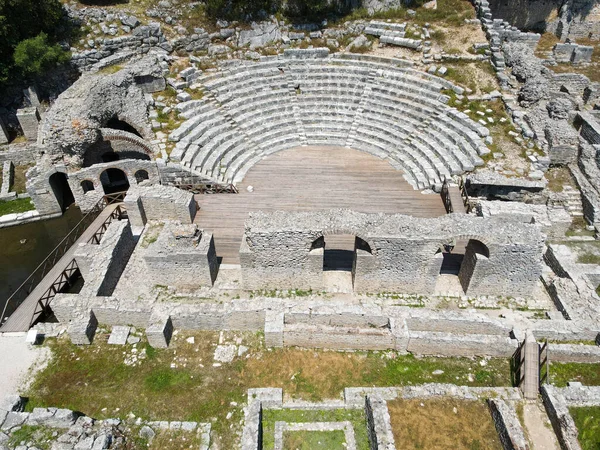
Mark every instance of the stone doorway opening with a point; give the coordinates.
(457, 265)
(339, 260)
(114, 180)
(61, 190)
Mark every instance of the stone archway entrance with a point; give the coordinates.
(457, 265)
(339, 260)
(61, 190)
(114, 180)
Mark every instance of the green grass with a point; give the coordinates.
(562, 373)
(314, 440)
(34, 436)
(181, 383)
(587, 421)
(16, 206)
(588, 258)
(354, 416)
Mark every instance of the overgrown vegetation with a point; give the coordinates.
(15, 206)
(587, 421)
(443, 423)
(181, 383)
(562, 373)
(36, 436)
(29, 34)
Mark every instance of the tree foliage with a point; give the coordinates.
(25, 19)
(35, 55)
(241, 9)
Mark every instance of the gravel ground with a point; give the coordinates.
(18, 361)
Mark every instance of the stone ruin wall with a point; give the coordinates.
(182, 256)
(278, 252)
(146, 203)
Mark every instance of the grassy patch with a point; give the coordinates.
(588, 258)
(562, 373)
(34, 436)
(181, 383)
(314, 440)
(110, 69)
(587, 421)
(545, 44)
(151, 234)
(20, 178)
(443, 423)
(16, 206)
(579, 228)
(310, 440)
(558, 178)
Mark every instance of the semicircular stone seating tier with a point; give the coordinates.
(396, 113)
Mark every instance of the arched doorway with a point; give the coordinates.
(117, 124)
(459, 257)
(87, 186)
(141, 175)
(114, 180)
(61, 190)
(339, 260)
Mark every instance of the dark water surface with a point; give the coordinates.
(17, 261)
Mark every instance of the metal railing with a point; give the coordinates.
(516, 366)
(38, 274)
(544, 364)
(445, 193)
(205, 188)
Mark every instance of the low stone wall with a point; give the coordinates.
(379, 424)
(508, 425)
(182, 256)
(449, 344)
(574, 353)
(393, 252)
(561, 419)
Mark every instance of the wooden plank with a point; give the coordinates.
(311, 179)
(20, 320)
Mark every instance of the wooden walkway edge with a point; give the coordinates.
(23, 317)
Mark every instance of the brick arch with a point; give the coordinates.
(110, 134)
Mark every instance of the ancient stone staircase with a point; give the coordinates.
(574, 204)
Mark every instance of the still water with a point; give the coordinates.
(24, 247)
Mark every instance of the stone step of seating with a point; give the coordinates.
(408, 126)
(236, 97)
(422, 157)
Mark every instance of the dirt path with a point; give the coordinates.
(16, 359)
(538, 428)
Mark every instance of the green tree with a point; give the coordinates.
(35, 55)
(24, 19)
(240, 9)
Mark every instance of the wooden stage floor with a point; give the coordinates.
(311, 179)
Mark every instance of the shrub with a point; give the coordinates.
(35, 55)
(241, 9)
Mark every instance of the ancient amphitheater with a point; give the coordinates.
(254, 196)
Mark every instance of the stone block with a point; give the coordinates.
(29, 119)
(30, 97)
(33, 337)
(12, 403)
(82, 330)
(269, 397)
(14, 419)
(118, 335)
(159, 333)
(274, 329)
(4, 138)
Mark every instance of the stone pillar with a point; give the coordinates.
(135, 210)
(29, 118)
(3, 133)
(159, 332)
(82, 330)
(274, 328)
(31, 97)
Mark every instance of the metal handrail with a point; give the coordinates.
(63, 246)
(445, 193)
